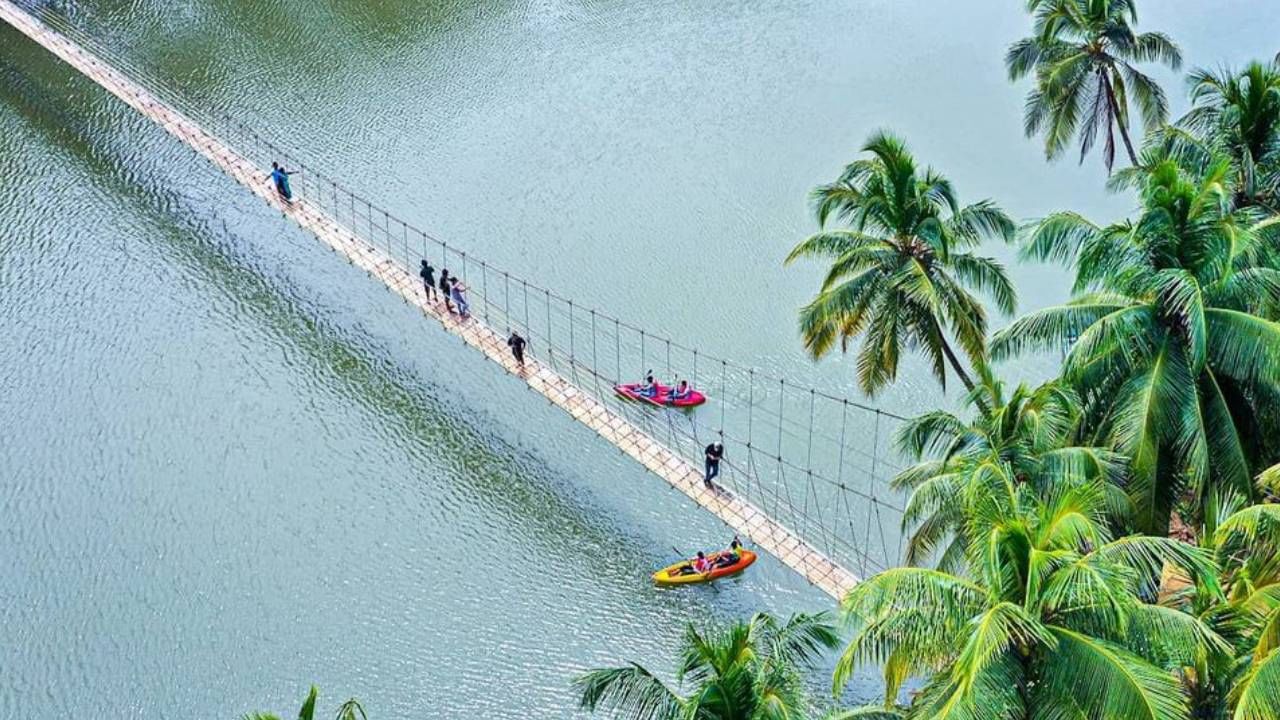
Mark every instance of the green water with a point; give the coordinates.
(231, 466)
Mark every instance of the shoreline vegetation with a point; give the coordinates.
(1105, 545)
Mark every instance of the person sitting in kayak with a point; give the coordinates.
(681, 392)
(701, 565)
(649, 389)
(727, 558)
(732, 555)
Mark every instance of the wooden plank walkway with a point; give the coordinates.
(743, 517)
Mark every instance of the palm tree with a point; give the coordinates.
(1030, 431)
(349, 710)
(1083, 53)
(1170, 345)
(1052, 617)
(1248, 544)
(1240, 111)
(746, 671)
(899, 272)
(1243, 682)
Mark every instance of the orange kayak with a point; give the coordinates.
(682, 572)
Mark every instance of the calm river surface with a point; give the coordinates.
(231, 466)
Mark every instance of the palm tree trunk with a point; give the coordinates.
(983, 406)
(1120, 116)
(956, 366)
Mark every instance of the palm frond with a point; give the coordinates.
(1109, 681)
(1053, 327)
(1148, 556)
(630, 692)
(1257, 695)
(1245, 347)
(832, 244)
(931, 432)
(987, 276)
(308, 710)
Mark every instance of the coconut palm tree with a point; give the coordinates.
(1083, 54)
(1053, 618)
(349, 710)
(1242, 683)
(1030, 430)
(900, 273)
(1239, 112)
(1248, 544)
(746, 671)
(1171, 347)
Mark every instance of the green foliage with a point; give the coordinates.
(349, 710)
(1042, 603)
(308, 710)
(747, 671)
(1084, 55)
(1029, 432)
(1170, 342)
(1237, 114)
(1042, 618)
(901, 275)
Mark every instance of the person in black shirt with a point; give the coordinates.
(444, 289)
(428, 275)
(714, 452)
(517, 343)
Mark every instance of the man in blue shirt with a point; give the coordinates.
(281, 178)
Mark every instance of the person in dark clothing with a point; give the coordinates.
(650, 388)
(445, 288)
(714, 452)
(517, 343)
(280, 177)
(428, 275)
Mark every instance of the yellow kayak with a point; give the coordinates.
(682, 572)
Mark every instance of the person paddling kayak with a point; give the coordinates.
(701, 564)
(681, 392)
(732, 555)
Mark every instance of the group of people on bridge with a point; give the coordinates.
(453, 293)
(450, 290)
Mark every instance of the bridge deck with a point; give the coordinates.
(743, 517)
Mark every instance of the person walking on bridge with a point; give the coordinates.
(280, 177)
(517, 343)
(445, 289)
(428, 275)
(460, 299)
(714, 452)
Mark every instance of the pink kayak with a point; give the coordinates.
(663, 398)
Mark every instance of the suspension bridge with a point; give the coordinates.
(804, 474)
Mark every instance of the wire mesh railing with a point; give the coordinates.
(815, 462)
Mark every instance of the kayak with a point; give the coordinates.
(663, 398)
(682, 572)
